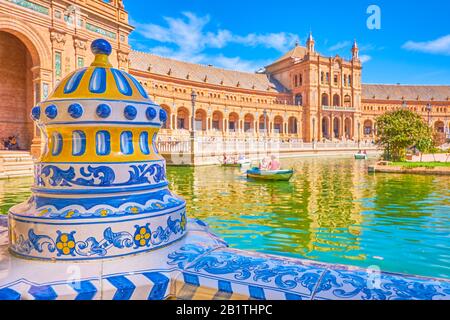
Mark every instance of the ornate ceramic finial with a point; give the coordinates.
(102, 49)
(100, 186)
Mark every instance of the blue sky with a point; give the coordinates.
(411, 47)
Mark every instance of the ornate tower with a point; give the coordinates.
(310, 43)
(100, 185)
(355, 51)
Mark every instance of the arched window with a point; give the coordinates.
(336, 100)
(57, 143)
(143, 143)
(103, 143)
(78, 143)
(368, 127)
(325, 101)
(126, 142)
(295, 81)
(347, 101)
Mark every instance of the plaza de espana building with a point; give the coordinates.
(302, 96)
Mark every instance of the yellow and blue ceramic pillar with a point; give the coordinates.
(100, 186)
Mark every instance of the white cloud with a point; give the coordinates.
(185, 39)
(365, 58)
(340, 45)
(438, 46)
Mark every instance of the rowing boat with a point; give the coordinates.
(276, 175)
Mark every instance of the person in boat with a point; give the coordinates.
(274, 164)
(264, 164)
(365, 152)
(225, 159)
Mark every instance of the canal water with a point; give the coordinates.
(331, 211)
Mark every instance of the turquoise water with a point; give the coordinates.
(331, 211)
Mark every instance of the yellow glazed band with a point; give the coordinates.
(90, 154)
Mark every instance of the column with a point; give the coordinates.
(208, 125)
(331, 125)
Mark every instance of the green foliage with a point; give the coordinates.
(400, 130)
(411, 165)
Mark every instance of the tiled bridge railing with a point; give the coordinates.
(169, 145)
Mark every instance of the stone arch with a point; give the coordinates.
(217, 121)
(22, 95)
(17, 92)
(200, 119)
(36, 45)
(368, 127)
(278, 124)
(249, 122)
(439, 126)
(183, 118)
(347, 101)
(233, 122)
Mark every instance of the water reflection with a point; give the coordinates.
(13, 191)
(332, 211)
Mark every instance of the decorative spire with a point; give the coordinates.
(355, 50)
(310, 43)
(101, 49)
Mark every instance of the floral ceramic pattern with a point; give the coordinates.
(98, 176)
(67, 244)
(306, 279)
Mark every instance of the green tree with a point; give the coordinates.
(424, 145)
(399, 130)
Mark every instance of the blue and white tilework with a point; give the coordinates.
(201, 266)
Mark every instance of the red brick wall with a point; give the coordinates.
(16, 93)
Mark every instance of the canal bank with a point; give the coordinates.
(216, 156)
(430, 168)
